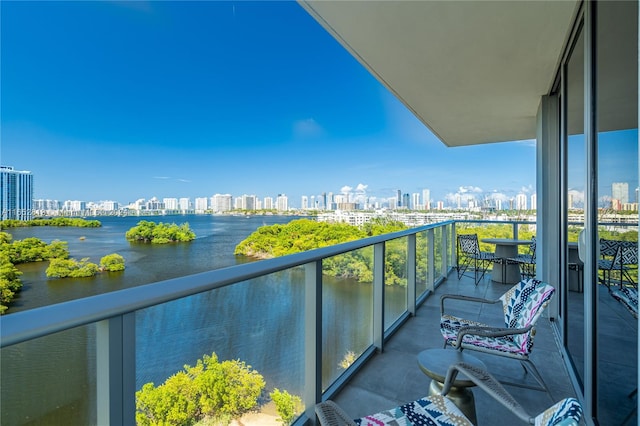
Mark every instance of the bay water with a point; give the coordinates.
(260, 322)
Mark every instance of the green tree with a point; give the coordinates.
(161, 233)
(287, 405)
(208, 389)
(304, 234)
(112, 262)
(62, 268)
(9, 281)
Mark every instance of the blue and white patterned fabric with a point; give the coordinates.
(567, 412)
(435, 410)
(628, 297)
(522, 305)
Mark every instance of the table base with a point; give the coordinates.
(460, 396)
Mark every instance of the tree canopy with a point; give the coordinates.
(56, 221)
(22, 251)
(305, 234)
(161, 233)
(212, 388)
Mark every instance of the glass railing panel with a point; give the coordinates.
(347, 311)
(422, 266)
(526, 231)
(438, 253)
(50, 380)
(259, 322)
(395, 289)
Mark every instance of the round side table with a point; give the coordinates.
(435, 363)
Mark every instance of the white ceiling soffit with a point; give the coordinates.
(471, 71)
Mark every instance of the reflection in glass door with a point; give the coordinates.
(575, 178)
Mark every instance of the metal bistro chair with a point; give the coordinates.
(526, 261)
(617, 260)
(522, 305)
(470, 256)
(438, 410)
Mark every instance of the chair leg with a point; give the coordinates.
(537, 376)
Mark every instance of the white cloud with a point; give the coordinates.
(346, 189)
(307, 128)
(361, 187)
(527, 189)
(470, 188)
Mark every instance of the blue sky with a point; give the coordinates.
(128, 100)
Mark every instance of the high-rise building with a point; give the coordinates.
(202, 204)
(399, 197)
(221, 203)
(415, 201)
(282, 202)
(521, 202)
(620, 192)
(75, 205)
(267, 203)
(184, 203)
(249, 202)
(170, 203)
(426, 199)
(406, 201)
(534, 201)
(304, 205)
(16, 194)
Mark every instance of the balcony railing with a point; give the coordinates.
(98, 351)
(97, 346)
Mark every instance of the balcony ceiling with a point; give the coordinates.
(471, 71)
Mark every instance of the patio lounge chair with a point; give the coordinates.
(628, 297)
(522, 305)
(526, 261)
(617, 260)
(439, 410)
(470, 257)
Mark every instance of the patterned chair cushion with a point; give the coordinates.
(563, 413)
(450, 325)
(522, 305)
(628, 297)
(434, 410)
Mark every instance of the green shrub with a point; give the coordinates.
(287, 405)
(161, 233)
(112, 262)
(62, 268)
(219, 390)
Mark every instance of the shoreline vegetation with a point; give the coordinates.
(160, 233)
(211, 392)
(305, 234)
(56, 221)
(61, 265)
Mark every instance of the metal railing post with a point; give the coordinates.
(313, 337)
(411, 274)
(378, 295)
(431, 260)
(116, 374)
(454, 252)
(515, 230)
(445, 252)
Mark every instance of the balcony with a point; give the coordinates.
(127, 335)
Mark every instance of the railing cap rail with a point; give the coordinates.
(26, 325)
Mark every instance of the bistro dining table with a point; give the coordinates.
(506, 248)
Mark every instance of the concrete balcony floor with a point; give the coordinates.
(393, 377)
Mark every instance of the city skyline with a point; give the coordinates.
(193, 99)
